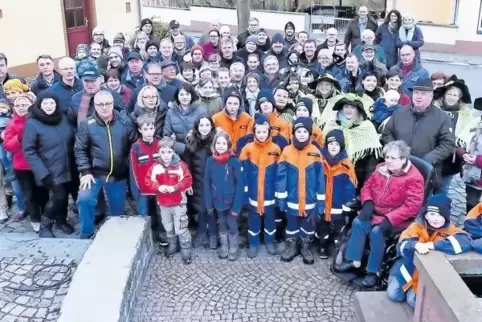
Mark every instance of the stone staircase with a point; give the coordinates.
(376, 307)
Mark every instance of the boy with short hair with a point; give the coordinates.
(169, 178)
(431, 230)
(223, 80)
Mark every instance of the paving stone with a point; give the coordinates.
(30, 312)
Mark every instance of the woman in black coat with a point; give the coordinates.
(198, 150)
(48, 148)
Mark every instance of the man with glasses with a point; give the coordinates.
(410, 69)
(426, 128)
(47, 77)
(133, 76)
(253, 27)
(68, 84)
(102, 149)
(331, 40)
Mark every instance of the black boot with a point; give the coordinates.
(370, 280)
(308, 258)
(173, 246)
(223, 251)
(323, 250)
(344, 267)
(46, 228)
(99, 218)
(186, 252)
(234, 251)
(199, 240)
(291, 250)
(65, 227)
(9, 201)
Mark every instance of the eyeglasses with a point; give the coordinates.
(107, 104)
(98, 34)
(68, 68)
(155, 74)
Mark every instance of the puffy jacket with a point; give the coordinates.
(176, 174)
(278, 125)
(473, 225)
(48, 148)
(179, 122)
(300, 181)
(160, 116)
(235, 128)
(65, 92)
(40, 85)
(166, 92)
(260, 163)
(340, 184)
(12, 141)
(448, 239)
(387, 41)
(353, 34)
(398, 198)
(103, 149)
(212, 104)
(224, 185)
(143, 155)
(417, 72)
(417, 41)
(130, 81)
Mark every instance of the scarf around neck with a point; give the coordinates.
(221, 158)
(406, 32)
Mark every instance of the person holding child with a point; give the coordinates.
(224, 194)
(383, 109)
(300, 190)
(260, 163)
(431, 231)
(169, 178)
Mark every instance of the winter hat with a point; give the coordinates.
(441, 204)
(335, 136)
(119, 37)
(305, 122)
(152, 43)
(281, 86)
(83, 47)
(232, 94)
(146, 21)
(97, 30)
(290, 24)
(277, 37)
(453, 81)
(30, 97)
(197, 47)
(117, 51)
(252, 38)
(264, 96)
(15, 85)
(261, 119)
(306, 102)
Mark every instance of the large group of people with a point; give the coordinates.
(284, 129)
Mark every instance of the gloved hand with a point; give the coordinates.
(422, 248)
(48, 181)
(386, 227)
(366, 213)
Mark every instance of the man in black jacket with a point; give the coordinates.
(253, 27)
(424, 127)
(102, 149)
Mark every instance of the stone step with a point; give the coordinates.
(377, 307)
(29, 245)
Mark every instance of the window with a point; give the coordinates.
(128, 7)
(479, 20)
(74, 13)
(442, 12)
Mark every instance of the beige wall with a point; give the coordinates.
(468, 17)
(30, 28)
(112, 17)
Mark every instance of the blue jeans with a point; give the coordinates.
(396, 293)
(297, 227)
(445, 185)
(18, 194)
(356, 245)
(254, 227)
(227, 222)
(116, 196)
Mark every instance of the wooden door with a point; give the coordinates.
(77, 21)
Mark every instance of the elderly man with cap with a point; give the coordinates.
(410, 69)
(253, 27)
(278, 50)
(370, 63)
(169, 70)
(147, 27)
(175, 31)
(424, 127)
(133, 76)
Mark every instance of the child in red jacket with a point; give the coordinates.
(169, 178)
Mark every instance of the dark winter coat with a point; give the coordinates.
(160, 116)
(387, 40)
(40, 85)
(65, 92)
(180, 122)
(131, 81)
(353, 34)
(48, 146)
(282, 57)
(103, 149)
(417, 42)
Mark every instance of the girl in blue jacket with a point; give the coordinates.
(224, 192)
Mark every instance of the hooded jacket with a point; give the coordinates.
(175, 174)
(290, 41)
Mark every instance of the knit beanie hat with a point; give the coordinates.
(261, 119)
(15, 85)
(277, 37)
(146, 21)
(441, 204)
(83, 47)
(264, 96)
(30, 97)
(232, 94)
(252, 38)
(119, 37)
(197, 47)
(335, 136)
(152, 43)
(117, 51)
(305, 122)
(306, 102)
(97, 30)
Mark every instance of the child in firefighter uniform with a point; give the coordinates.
(340, 188)
(431, 230)
(473, 225)
(169, 178)
(260, 162)
(304, 108)
(300, 190)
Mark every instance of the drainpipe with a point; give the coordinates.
(139, 6)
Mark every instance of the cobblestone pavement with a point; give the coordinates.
(31, 306)
(263, 289)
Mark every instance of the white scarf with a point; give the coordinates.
(406, 32)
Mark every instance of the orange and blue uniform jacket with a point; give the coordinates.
(340, 184)
(235, 128)
(300, 181)
(279, 140)
(260, 163)
(448, 239)
(143, 156)
(278, 125)
(473, 225)
(316, 137)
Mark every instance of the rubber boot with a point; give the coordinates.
(46, 228)
(271, 249)
(223, 251)
(291, 250)
(173, 246)
(234, 251)
(252, 251)
(308, 258)
(186, 252)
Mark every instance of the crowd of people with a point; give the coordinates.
(284, 129)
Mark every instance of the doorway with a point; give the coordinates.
(77, 20)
